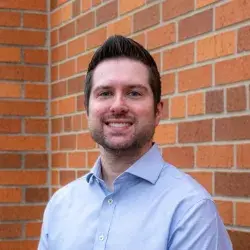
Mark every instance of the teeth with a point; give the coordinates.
(118, 125)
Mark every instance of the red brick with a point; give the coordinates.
(36, 194)
(178, 57)
(85, 22)
(204, 178)
(242, 214)
(23, 178)
(57, 125)
(77, 159)
(36, 161)
(59, 89)
(140, 39)
(67, 176)
(24, 4)
(67, 69)
(96, 38)
(231, 13)
(36, 126)
(86, 5)
(55, 178)
(167, 84)
(67, 106)
(59, 160)
(216, 46)
(243, 156)
(11, 19)
(181, 157)
(8, 54)
(178, 107)
(36, 91)
(232, 128)
(59, 53)
(157, 59)
(67, 31)
(76, 85)
(85, 141)
(67, 123)
(236, 99)
(126, 6)
(240, 240)
(54, 143)
(54, 37)
(96, 2)
(10, 126)
(214, 101)
(24, 244)
(175, 8)
(23, 212)
(54, 106)
(191, 79)
(243, 39)
(76, 46)
(165, 134)
(10, 90)
(10, 161)
(80, 103)
(196, 25)
(202, 3)
(195, 131)
(165, 111)
(232, 184)
(66, 12)
(76, 8)
(120, 27)
(37, 56)
(77, 122)
(195, 104)
(56, 18)
(22, 37)
(161, 36)
(9, 195)
(37, 21)
(84, 121)
(33, 229)
(225, 209)
(107, 12)
(81, 173)
(215, 156)
(67, 142)
(83, 62)
(141, 20)
(10, 230)
(54, 73)
(22, 108)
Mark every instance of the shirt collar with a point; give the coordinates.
(148, 167)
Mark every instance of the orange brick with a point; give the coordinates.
(129, 5)
(54, 37)
(242, 214)
(9, 195)
(216, 46)
(67, 31)
(96, 2)
(67, 69)
(10, 19)
(36, 126)
(59, 89)
(22, 37)
(243, 156)
(86, 5)
(231, 13)
(92, 157)
(157, 58)
(140, 38)
(8, 54)
(24, 244)
(66, 177)
(202, 3)
(23, 178)
(120, 27)
(225, 209)
(10, 161)
(33, 229)
(83, 62)
(59, 53)
(24, 4)
(165, 111)
(21, 143)
(165, 134)
(36, 91)
(196, 104)
(80, 103)
(191, 79)
(36, 160)
(216, 156)
(204, 178)
(178, 57)
(85, 141)
(243, 39)
(96, 38)
(67, 142)
(9, 126)
(168, 84)
(232, 70)
(59, 160)
(10, 230)
(85, 23)
(37, 21)
(54, 107)
(161, 36)
(10, 90)
(77, 122)
(84, 121)
(67, 106)
(81, 173)
(54, 143)
(77, 159)
(66, 12)
(55, 178)
(54, 73)
(178, 107)
(76, 46)
(38, 56)
(56, 18)
(107, 12)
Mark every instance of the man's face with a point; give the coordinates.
(121, 105)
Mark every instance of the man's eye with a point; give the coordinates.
(134, 93)
(105, 93)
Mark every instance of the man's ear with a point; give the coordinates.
(158, 113)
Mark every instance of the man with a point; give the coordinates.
(131, 199)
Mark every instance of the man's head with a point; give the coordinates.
(123, 96)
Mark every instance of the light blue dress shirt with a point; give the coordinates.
(154, 206)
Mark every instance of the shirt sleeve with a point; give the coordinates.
(201, 228)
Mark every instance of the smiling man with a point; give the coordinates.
(131, 199)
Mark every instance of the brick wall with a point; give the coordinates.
(202, 48)
(23, 121)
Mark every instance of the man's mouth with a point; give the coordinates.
(118, 124)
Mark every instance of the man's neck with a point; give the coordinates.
(114, 164)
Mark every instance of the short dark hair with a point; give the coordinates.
(119, 47)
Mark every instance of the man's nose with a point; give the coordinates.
(119, 105)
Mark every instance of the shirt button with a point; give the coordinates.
(101, 237)
(110, 201)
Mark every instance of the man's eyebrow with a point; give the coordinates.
(132, 86)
